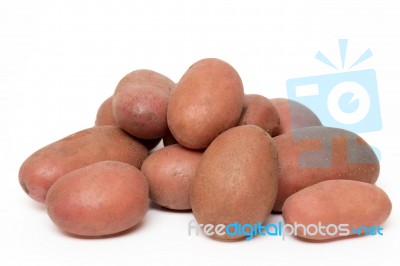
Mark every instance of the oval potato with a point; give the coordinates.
(207, 101)
(294, 115)
(259, 111)
(334, 202)
(236, 179)
(140, 103)
(169, 172)
(105, 117)
(85, 147)
(99, 199)
(314, 154)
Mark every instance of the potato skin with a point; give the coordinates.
(314, 154)
(207, 101)
(236, 179)
(169, 172)
(105, 116)
(294, 115)
(259, 111)
(85, 147)
(140, 103)
(99, 199)
(337, 202)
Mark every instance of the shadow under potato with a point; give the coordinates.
(119, 234)
(153, 205)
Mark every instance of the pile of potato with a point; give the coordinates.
(228, 156)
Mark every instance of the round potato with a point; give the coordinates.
(207, 101)
(105, 116)
(236, 180)
(140, 104)
(85, 147)
(169, 172)
(99, 199)
(314, 154)
(294, 115)
(259, 111)
(361, 206)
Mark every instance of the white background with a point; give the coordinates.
(60, 59)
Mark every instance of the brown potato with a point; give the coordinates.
(294, 115)
(334, 202)
(85, 147)
(105, 116)
(259, 111)
(314, 154)
(169, 172)
(207, 101)
(140, 104)
(236, 179)
(99, 199)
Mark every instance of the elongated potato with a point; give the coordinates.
(314, 154)
(260, 111)
(99, 199)
(85, 147)
(170, 172)
(236, 179)
(294, 115)
(339, 208)
(140, 103)
(207, 101)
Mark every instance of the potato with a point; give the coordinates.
(236, 179)
(314, 154)
(85, 147)
(207, 101)
(294, 115)
(259, 111)
(140, 103)
(334, 202)
(99, 199)
(105, 116)
(169, 172)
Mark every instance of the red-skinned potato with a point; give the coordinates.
(99, 199)
(207, 101)
(336, 202)
(44, 167)
(140, 103)
(259, 111)
(169, 172)
(236, 179)
(105, 117)
(313, 154)
(294, 115)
